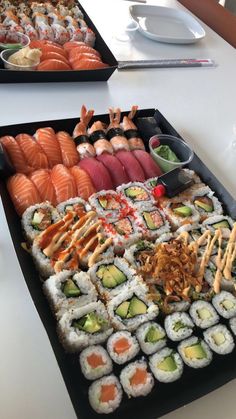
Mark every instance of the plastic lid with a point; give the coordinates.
(159, 191)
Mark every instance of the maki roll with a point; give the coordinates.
(166, 365)
(131, 308)
(178, 326)
(203, 314)
(136, 380)
(134, 253)
(219, 339)
(137, 194)
(151, 337)
(95, 362)
(84, 326)
(77, 205)
(153, 222)
(195, 352)
(206, 203)
(181, 213)
(151, 183)
(225, 304)
(232, 323)
(105, 394)
(68, 289)
(109, 204)
(222, 222)
(123, 231)
(37, 218)
(113, 276)
(165, 237)
(122, 347)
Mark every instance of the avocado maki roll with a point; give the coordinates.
(67, 290)
(222, 222)
(178, 326)
(219, 339)
(105, 394)
(133, 254)
(37, 218)
(151, 337)
(131, 308)
(225, 304)
(136, 380)
(153, 222)
(108, 203)
(166, 365)
(122, 347)
(195, 352)
(95, 362)
(84, 326)
(206, 203)
(181, 213)
(203, 314)
(137, 194)
(77, 205)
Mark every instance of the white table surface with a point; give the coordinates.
(199, 103)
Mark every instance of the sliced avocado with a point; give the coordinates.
(136, 307)
(89, 323)
(183, 211)
(204, 313)
(206, 207)
(179, 325)
(228, 304)
(37, 218)
(122, 309)
(100, 271)
(117, 274)
(108, 281)
(168, 364)
(103, 202)
(154, 335)
(195, 352)
(70, 289)
(221, 224)
(132, 192)
(149, 221)
(219, 338)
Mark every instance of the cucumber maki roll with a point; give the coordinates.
(181, 213)
(37, 218)
(178, 326)
(225, 304)
(151, 337)
(153, 222)
(69, 290)
(105, 394)
(137, 194)
(203, 314)
(166, 365)
(95, 362)
(131, 308)
(136, 380)
(84, 326)
(109, 204)
(77, 205)
(195, 352)
(122, 347)
(219, 339)
(222, 222)
(134, 253)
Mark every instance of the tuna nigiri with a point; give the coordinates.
(115, 169)
(47, 139)
(150, 168)
(32, 151)
(42, 180)
(63, 183)
(70, 156)
(83, 182)
(132, 166)
(97, 172)
(23, 192)
(15, 154)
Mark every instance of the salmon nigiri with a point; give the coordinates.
(42, 180)
(88, 64)
(32, 151)
(83, 182)
(70, 156)
(53, 64)
(63, 183)
(15, 154)
(47, 139)
(23, 192)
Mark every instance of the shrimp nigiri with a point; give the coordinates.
(98, 138)
(131, 132)
(115, 133)
(84, 148)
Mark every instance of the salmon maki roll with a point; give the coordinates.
(32, 151)
(83, 182)
(47, 139)
(42, 180)
(132, 166)
(23, 192)
(70, 156)
(15, 154)
(63, 183)
(98, 173)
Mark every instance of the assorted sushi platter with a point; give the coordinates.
(51, 41)
(135, 284)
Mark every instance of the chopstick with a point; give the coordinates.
(166, 63)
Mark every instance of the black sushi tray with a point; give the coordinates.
(102, 74)
(164, 397)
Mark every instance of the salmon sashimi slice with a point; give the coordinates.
(70, 155)
(47, 139)
(42, 180)
(53, 65)
(23, 192)
(121, 345)
(63, 183)
(15, 154)
(108, 393)
(32, 151)
(83, 182)
(88, 64)
(97, 172)
(139, 377)
(95, 360)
